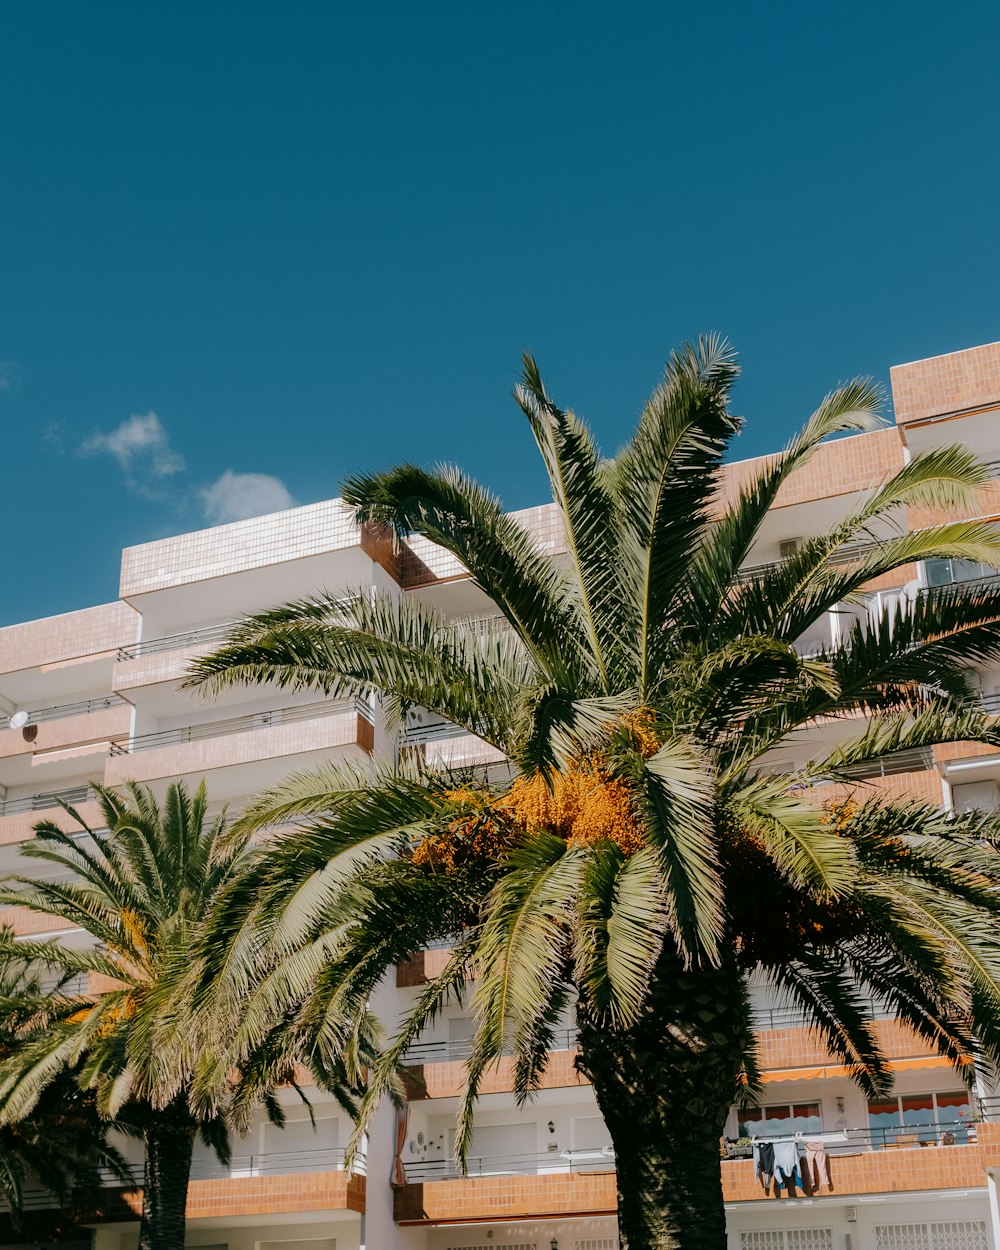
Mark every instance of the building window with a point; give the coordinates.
(781, 1119)
(924, 1117)
(788, 1239)
(947, 572)
(946, 1235)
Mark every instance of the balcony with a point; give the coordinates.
(902, 775)
(244, 745)
(19, 815)
(89, 638)
(60, 711)
(512, 1187)
(44, 800)
(437, 1069)
(440, 744)
(54, 740)
(153, 661)
(913, 1159)
(862, 1161)
(846, 554)
(788, 1050)
(26, 922)
(173, 642)
(460, 1050)
(252, 1185)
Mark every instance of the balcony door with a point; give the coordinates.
(503, 1150)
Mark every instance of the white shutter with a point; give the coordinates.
(790, 1239)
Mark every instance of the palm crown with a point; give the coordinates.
(63, 1146)
(659, 835)
(143, 889)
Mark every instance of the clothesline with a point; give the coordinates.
(791, 1162)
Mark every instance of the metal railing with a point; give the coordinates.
(62, 710)
(269, 1163)
(241, 724)
(843, 555)
(174, 642)
(46, 799)
(913, 761)
(72, 988)
(433, 731)
(461, 1048)
(959, 1131)
(552, 1162)
(190, 637)
(764, 1018)
(275, 1163)
(988, 579)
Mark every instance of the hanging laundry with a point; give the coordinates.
(763, 1165)
(786, 1166)
(817, 1165)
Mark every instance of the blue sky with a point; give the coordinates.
(297, 240)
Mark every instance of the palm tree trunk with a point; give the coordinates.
(664, 1086)
(169, 1141)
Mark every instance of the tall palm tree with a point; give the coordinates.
(661, 836)
(63, 1145)
(143, 890)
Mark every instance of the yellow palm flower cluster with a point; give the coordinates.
(474, 833)
(583, 802)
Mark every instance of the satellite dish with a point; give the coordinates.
(19, 720)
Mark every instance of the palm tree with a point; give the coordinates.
(63, 1145)
(660, 836)
(143, 890)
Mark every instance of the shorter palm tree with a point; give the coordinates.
(142, 890)
(63, 1145)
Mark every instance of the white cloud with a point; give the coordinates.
(236, 496)
(141, 447)
(8, 374)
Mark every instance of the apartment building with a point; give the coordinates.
(94, 695)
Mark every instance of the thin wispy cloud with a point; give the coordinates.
(236, 496)
(140, 445)
(8, 375)
(142, 448)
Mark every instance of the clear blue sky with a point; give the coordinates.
(311, 238)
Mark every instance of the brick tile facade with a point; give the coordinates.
(252, 1195)
(883, 1171)
(945, 384)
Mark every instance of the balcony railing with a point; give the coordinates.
(795, 1018)
(189, 638)
(241, 724)
(436, 730)
(62, 710)
(447, 1052)
(843, 555)
(764, 1018)
(842, 1142)
(960, 1131)
(174, 642)
(270, 1163)
(46, 799)
(551, 1162)
(275, 1163)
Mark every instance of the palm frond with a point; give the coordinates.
(676, 793)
